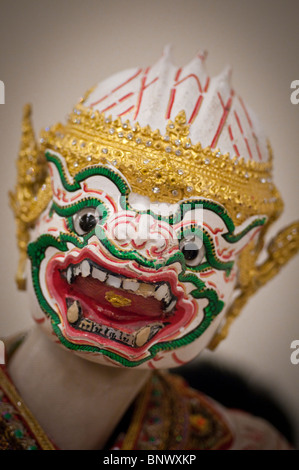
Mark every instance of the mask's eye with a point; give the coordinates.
(193, 250)
(85, 220)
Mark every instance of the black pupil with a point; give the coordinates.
(190, 251)
(87, 222)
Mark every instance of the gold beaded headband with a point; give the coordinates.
(166, 168)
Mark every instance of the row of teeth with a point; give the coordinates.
(136, 339)
(160, 292)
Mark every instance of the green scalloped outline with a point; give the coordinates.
(36, 252)
(37, 249)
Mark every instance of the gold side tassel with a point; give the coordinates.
(280, 250)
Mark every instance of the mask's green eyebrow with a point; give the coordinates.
(82, 175)
(70, 210)
(201, 204)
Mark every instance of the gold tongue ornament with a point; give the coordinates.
(117, 300)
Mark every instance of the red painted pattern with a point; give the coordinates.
(226, 109)
(127, 81)
(117, 88)
(257, 145)
(215, 230)
(109, 107)
(196, 109)
(126, 97)
(253, 133)
(245, 111)
(157, 358)
(176, 359)
(112, 202)
(64, 197)
(64, 225)
(238, 122)
(127, 111)
(225, 255)
(170, 103)
(191, 75)
(207, 273)
(151, 365)
(39, 320)
(199, 99)
(236, 150)
(207, 85)
(229, 278)
(72, 199)
(172, 95)
(232, 139)
(212, 284)
(143, 87)
(242, 132)
(88, 190)
(248, 147)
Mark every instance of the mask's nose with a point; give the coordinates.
(149, 236)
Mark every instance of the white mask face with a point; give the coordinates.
(124, 282)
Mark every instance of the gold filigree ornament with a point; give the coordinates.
(253, 276)
(166, 168)
(32, 192)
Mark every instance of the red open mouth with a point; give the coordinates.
(121, 306)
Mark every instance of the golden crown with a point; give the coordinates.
(167, 168)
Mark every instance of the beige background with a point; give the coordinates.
(52, 51)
